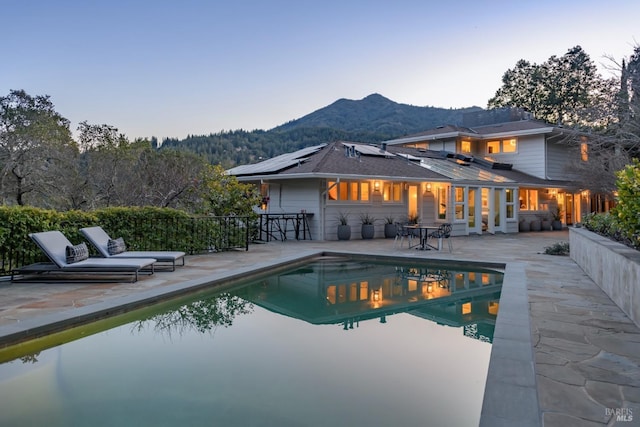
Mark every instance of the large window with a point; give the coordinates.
(441, 201)
(349, 191)
(528, 200)
(502, 146)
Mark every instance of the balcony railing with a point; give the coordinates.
(194, 236)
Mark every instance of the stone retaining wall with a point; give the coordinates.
(612, 266)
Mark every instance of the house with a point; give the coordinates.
(499, 168)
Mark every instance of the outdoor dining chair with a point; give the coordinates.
(401, 232)
(443, 232)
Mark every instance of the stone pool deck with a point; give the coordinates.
(585, 350)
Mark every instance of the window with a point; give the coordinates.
(528, 200)
(510, 203)
(509, 145)
(465, 146)
(441, 202)
(502, 146)
(493, 147)
(392, 192)
(459, 202)
(584, 151)
(349, 191)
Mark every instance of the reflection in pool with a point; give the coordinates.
(334, 342)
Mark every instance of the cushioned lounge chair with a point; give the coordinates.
(57, 248)
(100, 240)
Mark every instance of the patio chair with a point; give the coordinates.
(101, 241)
(67, 258)
(443, 232)
(401, 233)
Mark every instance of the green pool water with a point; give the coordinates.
(331, 343)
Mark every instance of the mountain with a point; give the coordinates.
(371, 119)
(378, 114)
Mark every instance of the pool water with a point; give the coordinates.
(331, 343)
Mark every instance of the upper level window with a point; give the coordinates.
(465, 146)
(584, 151)
(502, 146)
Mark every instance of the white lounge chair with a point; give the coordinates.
(55, 245)
(100, 240)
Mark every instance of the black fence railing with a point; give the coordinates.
(194, 236)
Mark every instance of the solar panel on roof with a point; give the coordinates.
(277, 163)
(369, 150)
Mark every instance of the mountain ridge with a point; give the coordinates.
(369, 120)
(376, 113)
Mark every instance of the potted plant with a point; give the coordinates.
(545, 224)
(368, 229)
(524, 225)
(412, 219)
(389, 227)
(556, 223)
(344, 229)
(535, 225)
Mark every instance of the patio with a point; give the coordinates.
(587, 362)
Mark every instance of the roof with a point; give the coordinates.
(361, 161)
(514, 128)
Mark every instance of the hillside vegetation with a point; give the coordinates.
(372, 119)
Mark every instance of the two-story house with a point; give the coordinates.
(499, 168)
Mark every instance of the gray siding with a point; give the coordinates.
(558, 155)
(294, 196)
(529, 158)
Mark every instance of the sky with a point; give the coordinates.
(194, 67)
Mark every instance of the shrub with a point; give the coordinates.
(627, 211)
(560, 248)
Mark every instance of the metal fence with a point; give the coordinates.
(194, 236)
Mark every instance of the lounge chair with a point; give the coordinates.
(100, 240)
(58, 248)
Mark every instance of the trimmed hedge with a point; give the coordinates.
(142, 228)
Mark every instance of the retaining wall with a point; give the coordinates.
(612, 266)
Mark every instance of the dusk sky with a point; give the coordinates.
(173, 68)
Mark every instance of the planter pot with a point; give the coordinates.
(389, 230)
(535, 225)
(524, 226)
(545, 225)
(557, 225)
(368, 231)
(344, 232)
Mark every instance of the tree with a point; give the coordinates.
(613, 144)
(34, 142)
(563, 90)
(218, 193)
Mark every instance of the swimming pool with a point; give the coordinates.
(332, 342)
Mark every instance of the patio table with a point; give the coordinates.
(424, 235)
